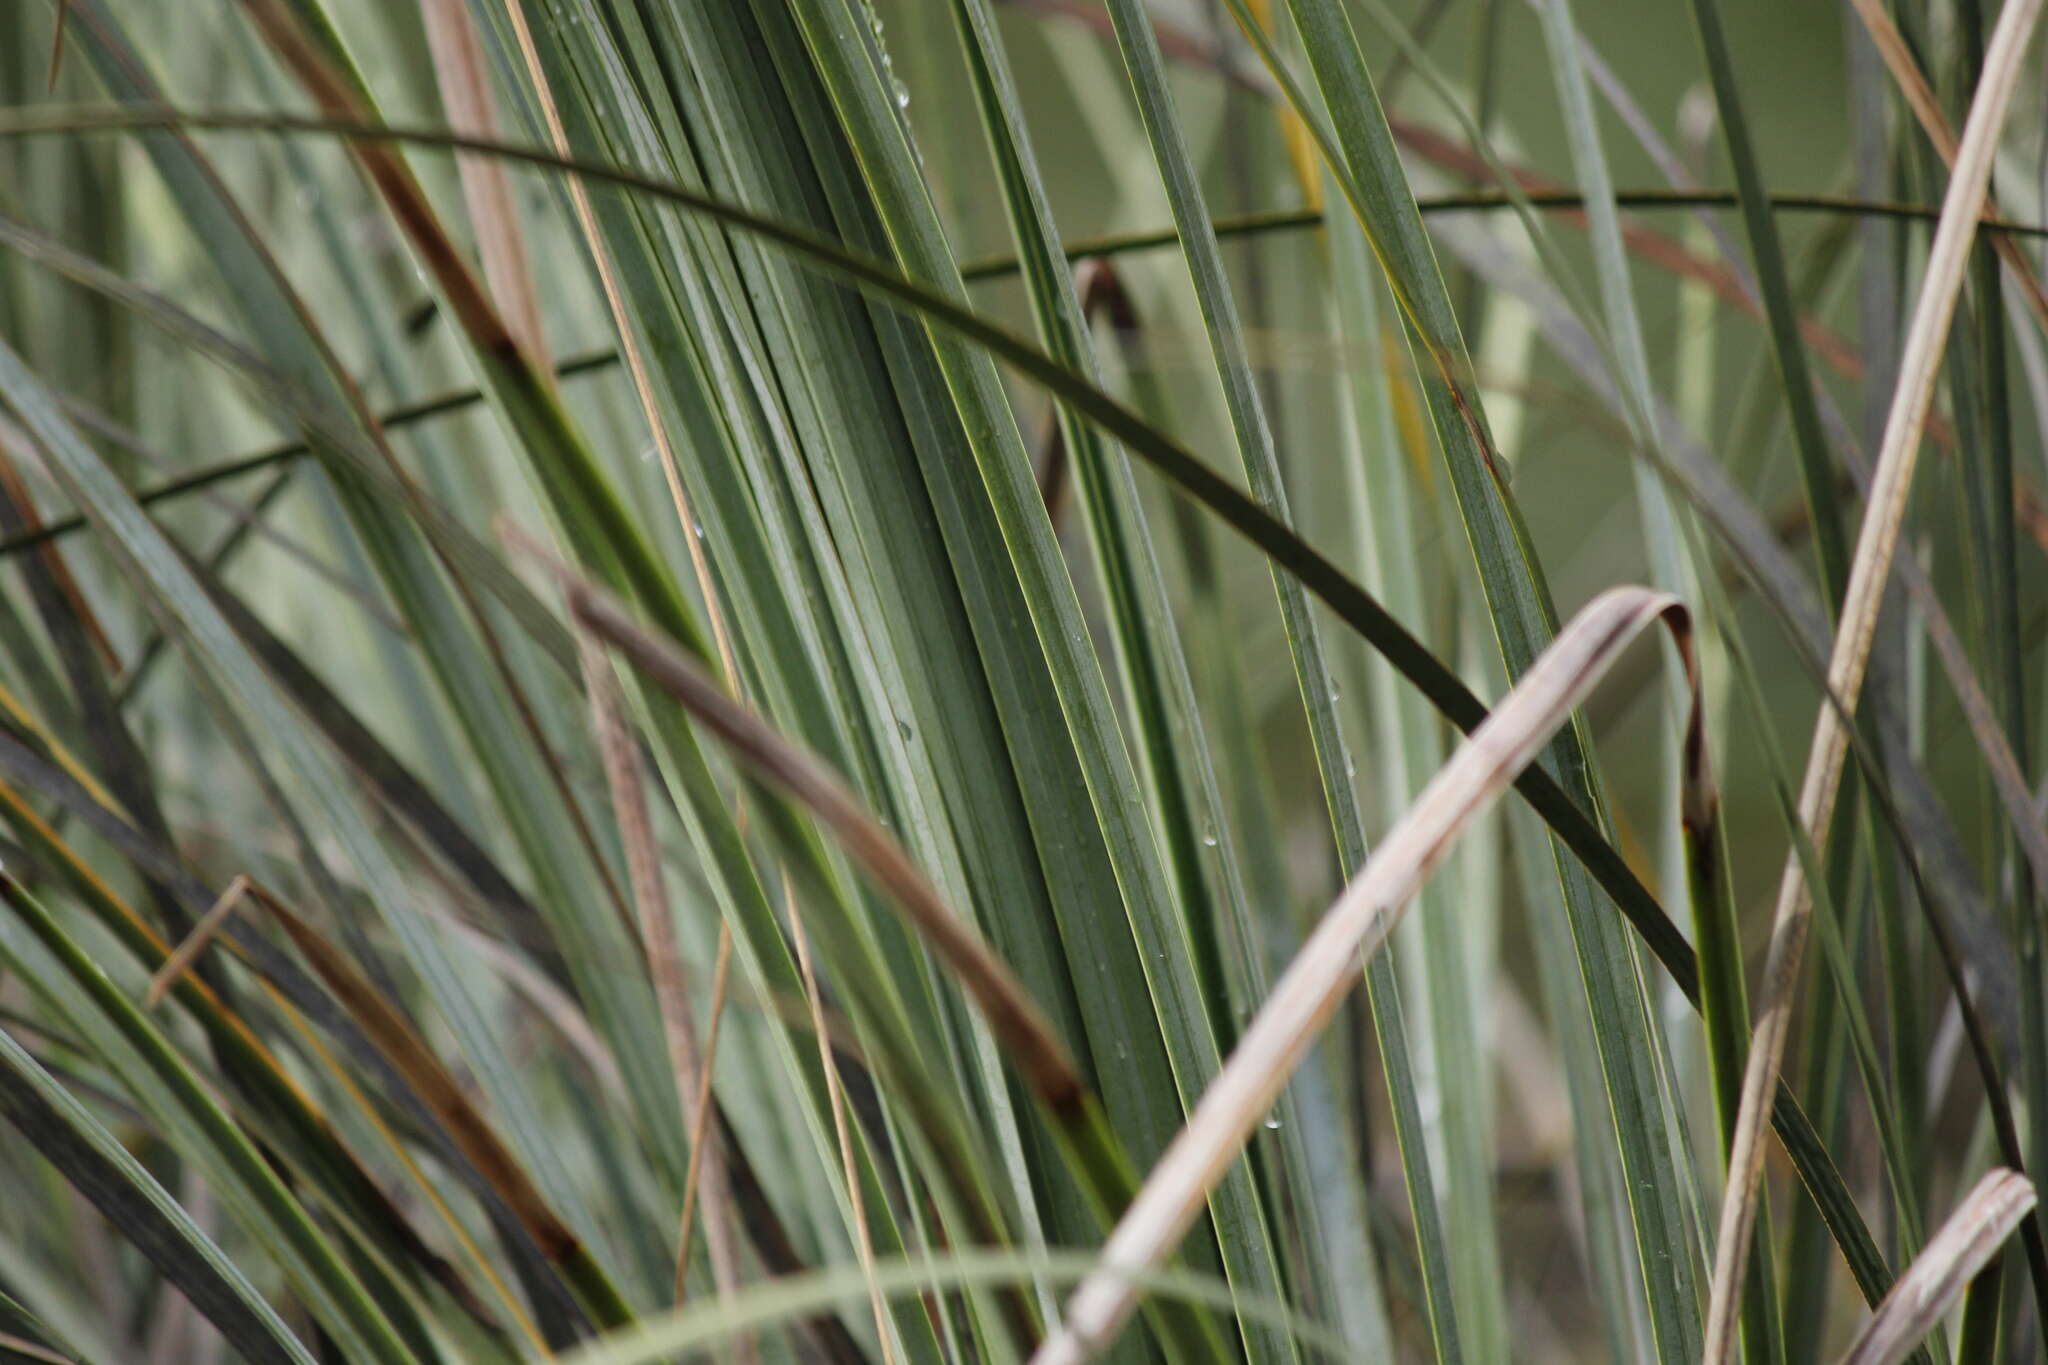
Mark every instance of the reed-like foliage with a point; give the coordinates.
(951, 681)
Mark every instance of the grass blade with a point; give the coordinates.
(1725, 1013)
(1768, 259)
(765, 1305)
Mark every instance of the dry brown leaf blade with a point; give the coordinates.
(187, 952)
(464, 78)
(656, 932)
(1931, 1285)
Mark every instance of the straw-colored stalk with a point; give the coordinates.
(1897, 456)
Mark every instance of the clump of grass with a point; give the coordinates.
(846, 627)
